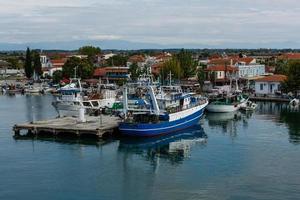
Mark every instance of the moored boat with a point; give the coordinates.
(161, 111)
(71, 100)
(229, 103)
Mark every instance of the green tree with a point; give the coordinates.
(14, 62)
(117, 60)
(57, 76)
(213, 77)
(134, 71)
(172, 66)
(187, 63)
(201, 76)
(84, 69)
(90, 51)
(28, 64)
(37, 65)
(292, 84)
(281, 67)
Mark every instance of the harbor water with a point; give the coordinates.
(227, 156)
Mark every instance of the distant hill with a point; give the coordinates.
(128, 45)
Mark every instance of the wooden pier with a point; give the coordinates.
(100, 126)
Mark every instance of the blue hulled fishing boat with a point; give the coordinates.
(158, 110)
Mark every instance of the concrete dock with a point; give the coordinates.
(273, 99)
(100, 126)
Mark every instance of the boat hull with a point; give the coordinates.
(222, 108)
(150, 130)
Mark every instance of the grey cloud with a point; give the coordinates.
(156, 21)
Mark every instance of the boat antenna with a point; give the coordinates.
(76, 70)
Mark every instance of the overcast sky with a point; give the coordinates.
(210, 22)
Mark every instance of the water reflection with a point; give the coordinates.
(67, 140)
(281, 113)
(172, 147)
(36, 107)
(228, 122)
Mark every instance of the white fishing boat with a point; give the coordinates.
(71, 100)
(229, 103)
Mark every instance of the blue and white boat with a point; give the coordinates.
(160, 110)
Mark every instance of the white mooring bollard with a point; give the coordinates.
(81, 115)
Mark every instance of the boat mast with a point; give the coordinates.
(125, 102)
(170, 78)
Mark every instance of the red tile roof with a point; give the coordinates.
(272, 78)
(155, 69)
(100, 72)
(136, 58)
(228, 60)
(247, 60)
(222, 68)
(290, 56)
(57, 63)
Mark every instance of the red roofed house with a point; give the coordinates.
(55, 65)
(247, 66)
(289, 56)
(223, 73)
(138, 59)
(112, 74)
(269, 85)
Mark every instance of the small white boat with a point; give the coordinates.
(249, 106)
(227, 104)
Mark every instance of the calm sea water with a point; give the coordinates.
(227, 156)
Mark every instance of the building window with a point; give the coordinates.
(261, 86)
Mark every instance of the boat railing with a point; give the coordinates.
(191, 105)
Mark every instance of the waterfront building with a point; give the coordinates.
(221, 74)
(247, 66)
(249, 70)
(269, 85)
(112, 74)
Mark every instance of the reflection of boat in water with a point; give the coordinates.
(174, 146)
(294, 104)
(222, 117)
(249, 106)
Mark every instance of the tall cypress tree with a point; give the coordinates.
(28, 64)
(37, 65)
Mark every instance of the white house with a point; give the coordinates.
(45, 61)
(269, 85)
(248, 68)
